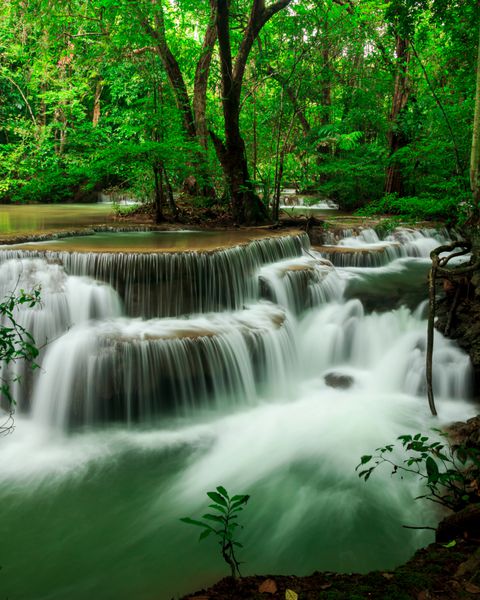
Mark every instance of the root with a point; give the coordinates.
(440, 269)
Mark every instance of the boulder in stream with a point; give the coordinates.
(339, 380)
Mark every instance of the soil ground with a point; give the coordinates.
(434, 573)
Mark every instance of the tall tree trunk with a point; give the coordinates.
(475, 153)
(96, 104)
(159, 192)
(326, 76)
(201, 78)
(246, 206)
(193, 113)
(396, 138)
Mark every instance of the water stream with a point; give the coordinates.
(166, 374)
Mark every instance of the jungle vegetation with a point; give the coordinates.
(366, 102)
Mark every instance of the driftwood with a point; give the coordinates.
(440, 269)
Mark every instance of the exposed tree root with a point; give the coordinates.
(455, 275)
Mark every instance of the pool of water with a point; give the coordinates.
(146, 241)
(16, 219)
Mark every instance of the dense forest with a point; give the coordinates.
(369, 103)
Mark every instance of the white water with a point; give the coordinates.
(174, 407)
(367, 249)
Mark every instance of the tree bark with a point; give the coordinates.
(159, 192)
(172, 68)
(201, 78)
(96, 104)
(246, 206)
(475, 152)
(396, 138)
(193, 112)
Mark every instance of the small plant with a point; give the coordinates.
(223, 524)
(16, 343)
(451, 473)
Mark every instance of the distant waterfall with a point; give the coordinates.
(367, 249)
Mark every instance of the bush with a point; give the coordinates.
(452, 210)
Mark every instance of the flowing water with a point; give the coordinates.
(164, 375)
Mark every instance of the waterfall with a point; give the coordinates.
(65, 301)
(100, 366)
(367, 249)
(133, 370)
(299, 284)
(268, 368)
(158, 284)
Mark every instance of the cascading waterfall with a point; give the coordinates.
(173, 284)
(130, 370)
(65, 301)
(367, 249)
(263, 368)
(301, 283)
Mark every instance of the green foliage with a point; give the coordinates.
(451, 473)
(223, 523)
(86, 104)
(450, 209)
(16, 343)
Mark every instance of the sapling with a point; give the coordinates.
(16, 343)
(451, 473)
(223, 524)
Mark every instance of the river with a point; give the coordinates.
(165, 374)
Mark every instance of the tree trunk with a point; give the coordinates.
(96, 104)
(193, 113)
(475, 153)
(159, 192)
(246, 206)
(201, 78)
(326, 76)
(396, 138)
(171, 199)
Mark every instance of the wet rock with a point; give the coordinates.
(467, 434)
(470, 566)
(465, 523)
(268, 587)
(339, 380)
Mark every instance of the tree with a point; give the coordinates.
(475, 152)
(192, 110)
(246, 206)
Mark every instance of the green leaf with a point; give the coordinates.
(217, 498)
(204, 534)
(218, 507)
(196, 523)
(223, 491)
(450, 544)
(238, 503)
(432, 470)
(214, 518)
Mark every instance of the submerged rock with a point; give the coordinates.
(339, 380)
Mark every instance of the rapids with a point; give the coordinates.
(164, 375)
